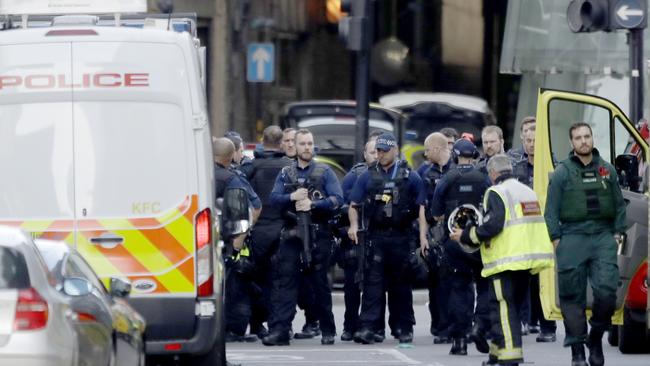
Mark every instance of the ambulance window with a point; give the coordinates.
(623, 141)
(564, 113)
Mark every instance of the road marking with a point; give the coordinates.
(400, 356)
(278, 356)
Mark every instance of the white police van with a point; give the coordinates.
(105, 144)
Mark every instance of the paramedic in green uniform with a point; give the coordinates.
(585, 215)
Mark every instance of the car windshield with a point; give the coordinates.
(443, 115)
(13, 270)
(338, 132)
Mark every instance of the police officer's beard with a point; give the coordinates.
(583, 150)
(306, 157)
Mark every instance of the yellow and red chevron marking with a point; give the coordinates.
(157, 250)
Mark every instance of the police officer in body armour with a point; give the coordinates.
(350, 260)
(463, 185)
(309, 191)
(394, 196)
(306, 298)
(237, 296)
(265, 236)
(438, 155)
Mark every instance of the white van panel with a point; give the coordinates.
(130, 159)
(35, 133)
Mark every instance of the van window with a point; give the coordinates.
(130, 158)
(36, 160)
(13, 270)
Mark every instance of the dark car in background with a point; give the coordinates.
(430, 112)
(333, 124)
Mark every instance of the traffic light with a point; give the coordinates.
(333, 12)
(351, 27)
(606, 15)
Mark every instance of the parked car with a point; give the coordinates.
(333, 124)
(429, 112)
(38, 325)
(105, 313)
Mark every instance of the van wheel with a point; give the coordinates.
(612, 335)
(632, 335)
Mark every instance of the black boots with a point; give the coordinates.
(364, 336)
(309, 330)
(595, 345)
(276, 338)
(477, 336)
(578, 355)
(458, 347)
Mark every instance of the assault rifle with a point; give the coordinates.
(304, 225)
(361, 247)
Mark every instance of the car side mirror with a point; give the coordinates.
(75, 286)
(627, 168)
(120, 287)
(235, 213)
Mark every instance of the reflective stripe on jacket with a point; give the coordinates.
(524, 243)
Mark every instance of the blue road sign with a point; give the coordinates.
(260, 63)
(629, 13)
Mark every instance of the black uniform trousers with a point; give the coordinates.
(265, 239)
(287, 276)
(482, 309)
(387, 270)
(352, 290)
(460, 296)
(507, 291)
(238, 295)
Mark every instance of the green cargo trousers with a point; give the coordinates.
(582, 258)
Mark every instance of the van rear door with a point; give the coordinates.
(135, 194)
(36, 192)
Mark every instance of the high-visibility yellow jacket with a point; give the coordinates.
(524, 243)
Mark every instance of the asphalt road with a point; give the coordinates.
(422, 352)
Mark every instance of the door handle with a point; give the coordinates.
(107, 240)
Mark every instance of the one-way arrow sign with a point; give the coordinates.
(260, 65)
(629, 13)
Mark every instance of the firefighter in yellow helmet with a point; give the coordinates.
(514, 244)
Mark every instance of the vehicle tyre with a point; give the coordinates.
(632, 335)
(612, 335)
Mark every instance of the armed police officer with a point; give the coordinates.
(306, 298)
(438, 154)
(311, 192)
(350, 260)
(463, 185)
(394, 196)
(237, 297)
(239, 161)
(585, 214)
(265, 236)
(516, 246)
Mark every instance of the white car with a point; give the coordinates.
(36, 323)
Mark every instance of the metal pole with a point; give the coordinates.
(362, 87)
(636, 74)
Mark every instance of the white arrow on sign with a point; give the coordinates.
(624, 12)
(260, 57)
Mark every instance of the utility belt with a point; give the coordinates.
(384, 231)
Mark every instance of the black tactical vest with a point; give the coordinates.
(389, 200)
(222, 176)
(314, 184)
(431, 177)
(262, 177)
(464, 187)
